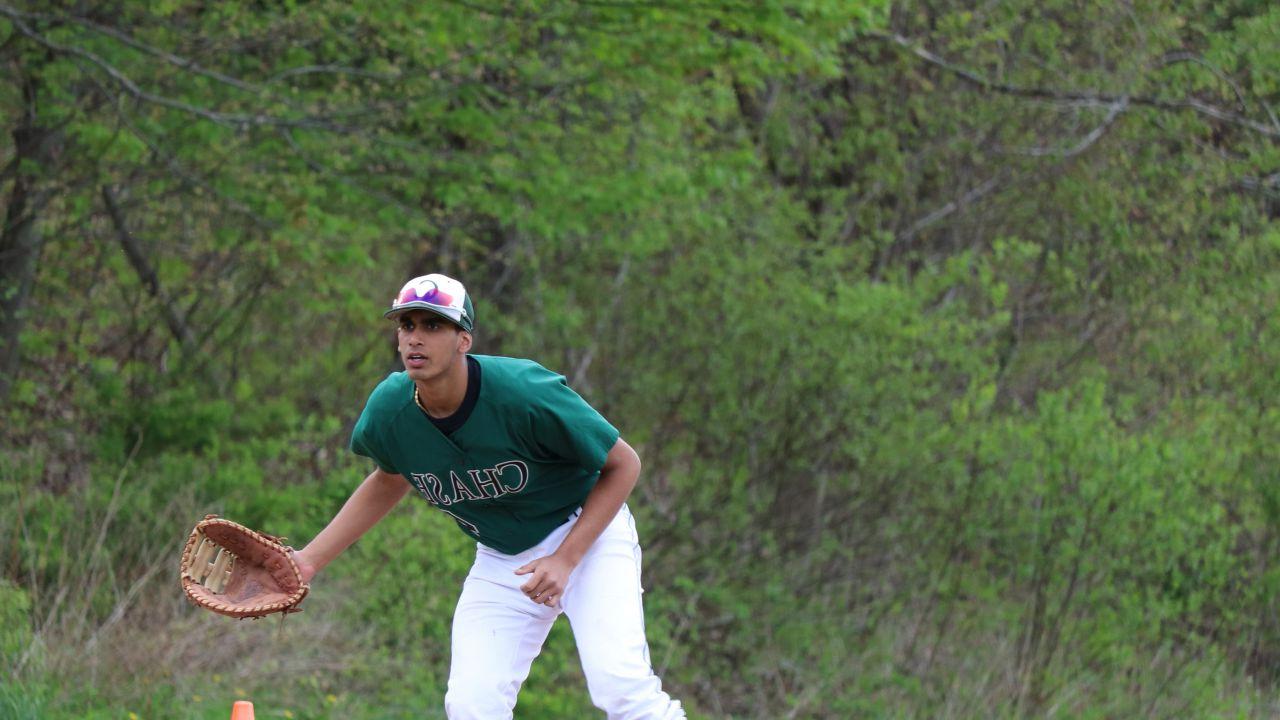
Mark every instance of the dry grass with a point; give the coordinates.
(110, 626)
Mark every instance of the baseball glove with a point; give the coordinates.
(235, 571)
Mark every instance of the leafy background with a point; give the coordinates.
(947, 333)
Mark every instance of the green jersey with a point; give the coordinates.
(520, 465)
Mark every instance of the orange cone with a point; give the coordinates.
(242, 710)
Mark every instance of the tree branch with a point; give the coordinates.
(177, 324)
(1085, 143)
(1183, 56)
(968, 198)
(1077, 97)
(333, 70)
(320, 168)
(177, 168)
(178, 61)
(236, 120)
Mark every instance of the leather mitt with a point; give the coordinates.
(232, 570)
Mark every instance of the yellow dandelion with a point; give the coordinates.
(331, 698)
(133, 716)
(288, 713)
(196, 698)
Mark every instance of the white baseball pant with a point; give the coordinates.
(498, 631)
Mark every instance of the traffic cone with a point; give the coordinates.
(242, 710)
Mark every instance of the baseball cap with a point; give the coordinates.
(437, 293)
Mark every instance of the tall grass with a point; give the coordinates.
(99, 623)
(93, 625)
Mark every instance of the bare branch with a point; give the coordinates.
(178, 169)
(333, 70)
(1077, 97)
(1268, 184)
(146, 273)
(319, 167)
(1085, 143)
(632, 5)
(1182, 56)
(965, 200)
(176, 60)
(237, 120)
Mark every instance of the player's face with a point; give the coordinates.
(429, 344)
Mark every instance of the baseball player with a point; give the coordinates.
(537, 477)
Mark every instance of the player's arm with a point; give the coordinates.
(550, 574)
(370, 502)
(617, 480)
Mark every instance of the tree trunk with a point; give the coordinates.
(21, 242)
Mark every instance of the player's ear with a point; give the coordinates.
(464, 342)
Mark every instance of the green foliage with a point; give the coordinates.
(947, 335)
(19, 702)
(15, 619)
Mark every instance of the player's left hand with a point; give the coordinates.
(305, 565)
(550, 577)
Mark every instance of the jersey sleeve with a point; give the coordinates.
(566, 426)
(366, 441)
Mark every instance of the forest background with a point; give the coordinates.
(947, 333)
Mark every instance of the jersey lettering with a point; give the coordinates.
(487, 482)
(522, 471)
(530, 451)
(505, 478)
(428, 486)
(433, 491)
(419, 483)
(460, 489)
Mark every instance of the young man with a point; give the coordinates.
(538, 478)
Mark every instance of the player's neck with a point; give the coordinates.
(441, 396)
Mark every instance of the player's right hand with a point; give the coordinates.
(549, 578)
